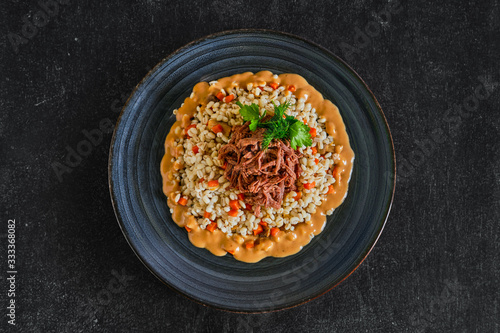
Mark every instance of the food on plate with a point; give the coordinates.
(254, 163)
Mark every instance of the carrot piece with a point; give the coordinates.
(230, 251)
(201, 180)
(212, 226)
(274, 231)
(228, 98)
(217, 128)
(316, 161)
(248, 207)
(213, 183)
(258, 230)
(309, 186)
(312, 132)
(249, 244)
(314, 150)
(330, 189)
(233, 213)
(262, 223)
(196, 149)
(234, 204)
(298, 196)
(274, 85)
(241, 196)
(207, 215)
(291, 88)
(188, 128)
(182, 201)
(188, 229)
(305, 121)
(220, 96)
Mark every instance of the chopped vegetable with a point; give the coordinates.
(212, 226)
(213, 183)
(312, 132)
(298, 196)
(196, 149)
(182, 201)
(187, 228)
(314, 150)
(241, 196)
(336, 173)
(233, 213)
(228, 98)
(206, 215)
(224, 166)
(274, 85)
(250, 244)
(220, 96)
(330, 189)
(217, 128)
(309, 186)
(291, 88)
(258, 230)
(234, 204)
(262, 223)
(274, 231)
(248, 207)
(316, 161)
(230, 251)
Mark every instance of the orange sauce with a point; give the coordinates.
(284, 243)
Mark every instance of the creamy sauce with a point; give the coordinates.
(285, 243)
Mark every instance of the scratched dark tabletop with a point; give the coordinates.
(434, 69)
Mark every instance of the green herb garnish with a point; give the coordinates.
(280, 126)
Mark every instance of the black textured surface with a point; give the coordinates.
(434, 69)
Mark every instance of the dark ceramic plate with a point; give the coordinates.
(223, 282)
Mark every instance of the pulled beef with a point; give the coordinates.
(265, 176)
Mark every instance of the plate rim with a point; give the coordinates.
(235, 32)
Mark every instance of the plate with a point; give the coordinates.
(223, 282)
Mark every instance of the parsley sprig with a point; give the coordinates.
(280, 126)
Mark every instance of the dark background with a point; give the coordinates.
(435, 71)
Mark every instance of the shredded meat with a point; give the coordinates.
(263, 175)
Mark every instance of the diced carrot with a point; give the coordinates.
(274, 231)
(241, 196)
(309, 186)
(248, 207)
(305, 121)
(312, 132)
(234, 204)
(291, 88)
(196, 149)
(284, 116)
(314, 150)
(230, 251)
(213, 183)
(212, 226)
(330, 189)
(188, 128)
(258, 230)
(298, 196)
(224, 166)
(233, 212)
(250, 244)
(316, 161)
(274, 85)
(182, 201)
(201, 180)
(228, 98)
(262, 223)
(207, 215)
(188, 229)
(220, 96)
(217, 128)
